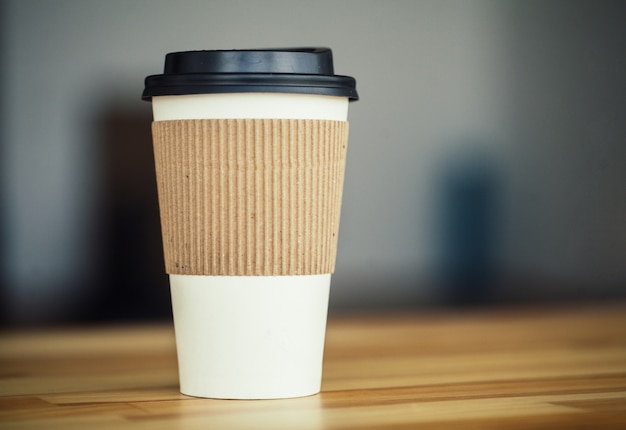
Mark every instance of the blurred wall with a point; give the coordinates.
(487, 158)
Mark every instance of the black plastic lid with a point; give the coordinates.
(289, 70)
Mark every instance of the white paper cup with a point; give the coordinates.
(245, 336)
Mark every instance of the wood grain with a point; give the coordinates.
(541, 368)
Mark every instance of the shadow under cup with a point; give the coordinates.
(250, 186)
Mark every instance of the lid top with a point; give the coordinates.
(313, 61)
(283, 70)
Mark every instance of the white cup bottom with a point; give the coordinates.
(250, 337)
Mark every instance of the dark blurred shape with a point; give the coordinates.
(133, 284)
(469, 193)
(4, 284)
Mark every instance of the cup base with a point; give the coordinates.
(250, 337)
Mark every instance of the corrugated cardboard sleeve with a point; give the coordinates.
(250, 196)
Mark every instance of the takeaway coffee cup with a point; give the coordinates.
(250, 150)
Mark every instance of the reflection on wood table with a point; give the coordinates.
(484, 369)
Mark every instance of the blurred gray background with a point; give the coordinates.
(487, 156)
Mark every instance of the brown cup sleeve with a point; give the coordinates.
(250, 197)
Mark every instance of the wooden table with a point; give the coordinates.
(490, 369)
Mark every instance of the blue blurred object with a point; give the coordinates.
(469, 211)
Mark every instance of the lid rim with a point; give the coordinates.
(196, 83)
(222, 89)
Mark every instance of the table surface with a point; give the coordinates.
(481, 369)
